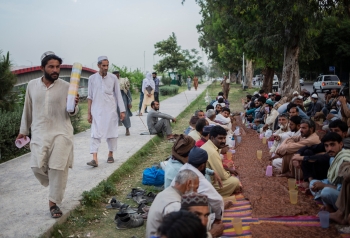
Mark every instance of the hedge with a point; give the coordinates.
(169, 90)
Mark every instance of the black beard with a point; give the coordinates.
(49, 78)
(203, 171)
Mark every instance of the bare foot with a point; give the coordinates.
(338, 217)
(228, 204)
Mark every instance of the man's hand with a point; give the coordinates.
(224, 150)
(317, 186)
(232, 171)
(77, 99)
(265, 127)
(296, 163)
(149, 95)
(89, 118)
(342, 99)
(122, 116)
(277, 137)
(217, 229)
(298, 157)
(21, 136)
(217, 179)
(129, 106)
(329, 116)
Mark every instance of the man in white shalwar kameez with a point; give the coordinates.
(103, 98)
(51, 129)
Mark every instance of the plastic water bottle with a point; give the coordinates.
(233, 143)
(236, 132)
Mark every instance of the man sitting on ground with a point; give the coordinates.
(223, 118)
(270, 115)
(197, 163)
(196, 134)
(169, 200)
(328, 189)
(342, 215)
(211, 116)
(217, 140)
(156, 126)
(218, 108)
(204, 136)
(316, 106)
(192, 124)
(291, 145)
(313, 160)
(284, 126)
(179, 157)
(198, 204)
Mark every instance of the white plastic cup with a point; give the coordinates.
(22, 142)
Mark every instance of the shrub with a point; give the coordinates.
(9, 128)
(169, 90)
(166, 80)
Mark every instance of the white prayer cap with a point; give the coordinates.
(314, 95)
(270, 94)
(220, 97)
(295, 92)
(300, 97)
(46, 54)
(255, 93)
(102, 58)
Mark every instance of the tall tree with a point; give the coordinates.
(7, 81)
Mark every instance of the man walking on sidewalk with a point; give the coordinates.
(103, 98)
(156, 82)
(52, 132)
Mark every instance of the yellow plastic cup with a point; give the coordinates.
(229, 155)
(237, 225)
(293, 195)
(259, 154)
(291, 183)
(264, 140)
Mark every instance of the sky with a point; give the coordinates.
(82, 30)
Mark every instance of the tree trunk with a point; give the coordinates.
(232, 77)
(249, 74)
(239, 76)
(268, 79)
(290, 73)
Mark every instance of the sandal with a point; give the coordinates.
(92, 163)
(140, 199)
(135, 191)
(114, 204)
(55, 210)
(110, 160)
(150, 197)
(125, 208)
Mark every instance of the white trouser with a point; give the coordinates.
(57, 179)
(95, 144)
(277, 163)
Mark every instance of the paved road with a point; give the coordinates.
(24, 202)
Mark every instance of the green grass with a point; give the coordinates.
(92, 218)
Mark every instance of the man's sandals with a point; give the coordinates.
(55, 211)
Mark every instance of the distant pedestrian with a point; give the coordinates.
(148, 88)
(156, 83)
(103, 98)
(195, 83)
(124, 85)
(52, 132)
(226, 86)
(189, 82)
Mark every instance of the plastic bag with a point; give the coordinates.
(153, 176)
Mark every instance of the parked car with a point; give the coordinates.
(301, 81)
(275, 83)
(325, 82)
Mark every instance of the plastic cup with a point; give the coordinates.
(291, 184)
(259, 154)
(239, 139)
(264, 140)
(269, 170)
(229, 155)
(270, 144)
(22, 142)
(237, 225)
(324, 219)
(293, 195)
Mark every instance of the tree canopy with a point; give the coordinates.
(7, 81)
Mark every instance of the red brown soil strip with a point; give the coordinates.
(267, 230)
(268, 195)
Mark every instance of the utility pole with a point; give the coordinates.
(243, 72)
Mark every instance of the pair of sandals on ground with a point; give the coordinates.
(93, 163)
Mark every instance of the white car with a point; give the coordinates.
(301, 81)
(325, 82)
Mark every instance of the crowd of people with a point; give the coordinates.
(200, 172)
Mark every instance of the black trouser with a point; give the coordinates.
(316, 170)
(156, 96)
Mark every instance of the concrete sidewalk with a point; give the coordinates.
(24, 202)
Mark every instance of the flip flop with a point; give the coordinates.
(55, 210)
(110, 160)
(125, 208)
(135, 191)
(92, 163)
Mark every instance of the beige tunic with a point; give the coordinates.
(214, 162)
(52, 132)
